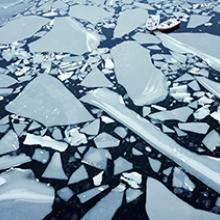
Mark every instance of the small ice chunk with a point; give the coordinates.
(75, 138)
(166, 129)
(78, 175)
(216, 115)
(92, 128)
(97, 180)
(212, 140)
(47, 100)
(6, 81)
(8, 161)
(96, 158)
(201, 112)
(45, 141)
(19, 127)
(210, 85)
(146, 111)
(66, 36)
(89, 194)
(167, 206)
(54, 169)
(65, 193)
(132, 194)
(89, 13)
(21, 28)
(180, 114)
(184, 77)
(26, 196)
(181, 180)
(121, 131)
(121, 165)
(155, 164)
(197, 20)
(41, 155)
(179, 132)
(106, 207)
(194, 86)
(133, 64)
(146, 38)
(196, 127)
(9, 142)
(109, 64)
(105, 140)
(124, 27)
(133, 179)
(96, 79)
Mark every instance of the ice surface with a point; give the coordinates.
(134, 70)
(65, 193)
(167, 206)
(195, 43)
(54, 169)
(75, 138)
(180, 179)
(89, 194)
(212, 140)
(66, 36)
(121, 131)
(133, 179)
(105, 140)
(45, 141)
(41, 155)
(204, 168)
(96, 79)
(6, 81)
(210, 85)
(155, 164)
(96, 158)
(8, 161)
(92, 128)
(180, 114)
(9, 142)
(121, 165)
(24, 195)
(197, 20)
(88, 13)
(21, 28)
(146, 38)
(132, 194)
(124, 27)
(78, 175)
(52, 104)
(196, 127)
(106, 207)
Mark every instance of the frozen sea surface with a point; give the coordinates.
(102, 119)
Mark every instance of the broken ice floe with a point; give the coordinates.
(202, 167)
(21, 28)
(66, 36)
(78, 175)
(21, 193)
(105, 140)
(167, 206)
(196, 127)
(54, 169)
(133, 64)
(52, 104)
(123, 27)
(197, 20)
(45, 141)
(88, 13)
(212, 140)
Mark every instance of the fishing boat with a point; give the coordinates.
(152, 22)
(169, 25)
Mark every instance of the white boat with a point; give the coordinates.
(169, 25)
(152, 22)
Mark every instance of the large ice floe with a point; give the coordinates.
(134, 70)
(101, 118)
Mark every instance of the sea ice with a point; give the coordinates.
(134, 70)
(212, 140)
(24, 195)
(105, 140)
(124, 27)
(47, 100)
(66, 36)
(167, 206)
(21, 28)
(54, 169)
